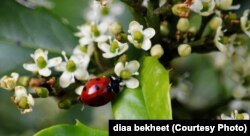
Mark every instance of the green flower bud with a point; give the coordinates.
(64, 104)
(41, 62)
(23, 81)
(184, 50)
(125, 74)
(123, 58)
(183, 24)
(71, 66)
(121, 37)
(115, 28)
(42, 92)
(215, 22)
(157, 51)
(242, 116)
(224, 4)
(138, 36)
(23, 103)
(114, 46)
(164, 28)
(95, 31)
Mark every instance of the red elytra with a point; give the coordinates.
(99, 91)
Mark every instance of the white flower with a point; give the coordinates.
(113, 49)
(84, 49)
(139, 37)
(42, 64)
(245, 23)
(90, 33)
(126, 71)
(23, 100)
(226, 48)
(75, 67)
(235, 116)
(203, 7)
(9, 83)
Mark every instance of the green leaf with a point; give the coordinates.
(71, 10)
(149, 101)
(71, 130)
(23, 30)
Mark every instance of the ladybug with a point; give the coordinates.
(99, 91)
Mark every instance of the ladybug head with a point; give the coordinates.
(115, 84)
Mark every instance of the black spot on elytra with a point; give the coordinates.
(97, 87)
(97, 79)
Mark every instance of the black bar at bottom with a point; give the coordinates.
(164, 127)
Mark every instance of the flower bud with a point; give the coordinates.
(164, 28)
(242, 116)
(9, 83)
(181, 10)
(183, 24)
(224, 4)
(23, 81)
(157, 51)
(215, 22)
(115, 28)
(42, 92)
(184, 50)
(123, 58)
(64, 104)
(23, 102)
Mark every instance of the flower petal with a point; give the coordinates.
(31, 101)
(149, 33)
(146, 45)
(109, 55)
(134, 26)
(66, 79)
(132, 83)
(133, 66)
(42, 53)
(86, 40)
(20, 91)
(118, 68)
(101, 38)
(123, 48)
(81, 74)
(61, 67)
(45, 72)
(79, 89)
(104, 47)
(54, 61)
(30, 67)
(130, 39)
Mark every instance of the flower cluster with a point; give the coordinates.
(235, 116)
(102, 34)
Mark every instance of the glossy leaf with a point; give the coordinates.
(71, 130)
(23, 30)
(151, 100)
